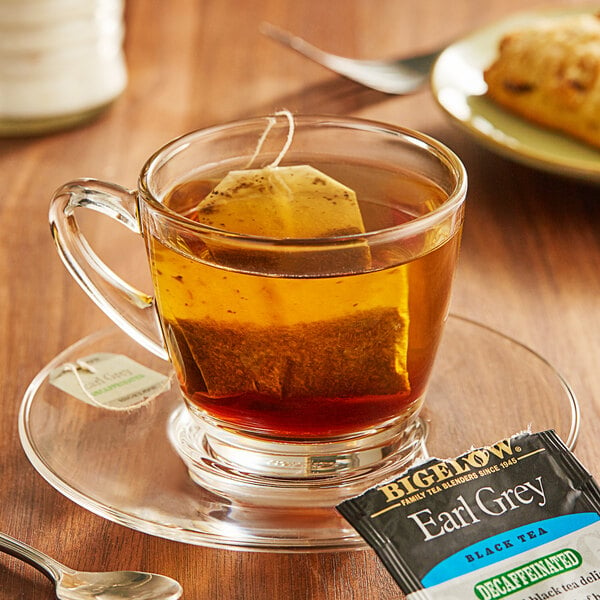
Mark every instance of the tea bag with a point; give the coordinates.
(288, 202)
(282, 202)
(362, 354)
(282, 341)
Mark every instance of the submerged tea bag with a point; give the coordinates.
(297, 323)
(363, 354)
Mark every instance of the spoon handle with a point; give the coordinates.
(48, 566)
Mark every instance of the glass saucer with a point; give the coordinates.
(120, 465)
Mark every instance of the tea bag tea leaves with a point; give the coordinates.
(356, 355)
(282, 202)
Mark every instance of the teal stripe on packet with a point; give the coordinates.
(458, 564)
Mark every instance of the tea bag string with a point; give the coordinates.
(271, 121)
(74, 368)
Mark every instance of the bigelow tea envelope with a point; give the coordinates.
(518, 519)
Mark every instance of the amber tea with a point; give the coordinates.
(308, 344)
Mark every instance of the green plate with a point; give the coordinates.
(459, 89)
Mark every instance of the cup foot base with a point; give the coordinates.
(289, 474)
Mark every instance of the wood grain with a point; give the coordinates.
(530, 263)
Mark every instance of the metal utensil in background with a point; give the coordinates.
(399, 76)
(88, 585)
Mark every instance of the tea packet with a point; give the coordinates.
(349, 352)
(518, 519)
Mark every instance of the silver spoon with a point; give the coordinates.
(402, 76)
(86, 585)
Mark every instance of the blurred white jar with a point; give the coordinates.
(61, 62)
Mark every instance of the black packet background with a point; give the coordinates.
(517, 519)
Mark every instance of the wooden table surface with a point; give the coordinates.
(530, 263)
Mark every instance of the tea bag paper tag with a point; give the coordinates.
(111, 381)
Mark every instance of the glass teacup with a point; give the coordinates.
(303, 360)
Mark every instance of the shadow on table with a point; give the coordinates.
(333, 96)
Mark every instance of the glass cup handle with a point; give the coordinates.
(132, 310)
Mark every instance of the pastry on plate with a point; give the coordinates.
(549, 73)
